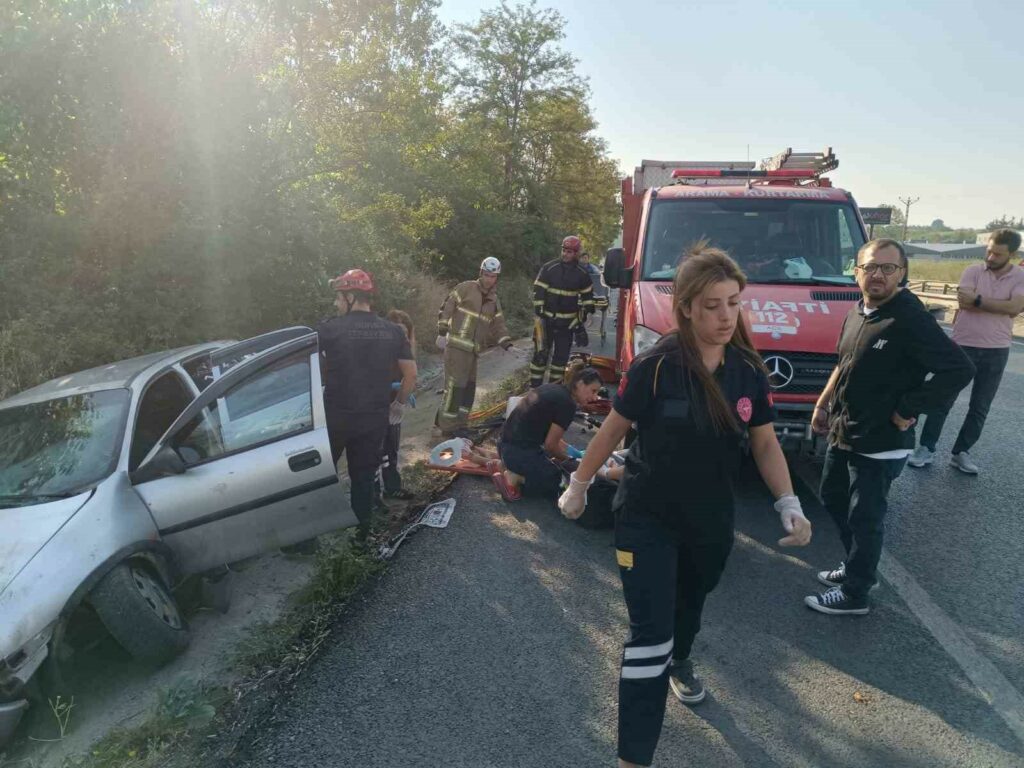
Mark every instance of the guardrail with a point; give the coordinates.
(933, 287)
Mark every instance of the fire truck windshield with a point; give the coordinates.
(773, 241)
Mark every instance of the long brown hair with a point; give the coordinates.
(401, 318)
(703, 266)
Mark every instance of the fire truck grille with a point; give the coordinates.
(799, 373)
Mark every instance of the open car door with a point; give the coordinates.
(247, 466)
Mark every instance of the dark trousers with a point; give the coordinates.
(542, 476)
(551, 345)
(391, 478)
(988, 372)
(666, 578)
(359, 436)
(855, 491)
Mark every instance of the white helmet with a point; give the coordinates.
(491, 265)
(798, 268)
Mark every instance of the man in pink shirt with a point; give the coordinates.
(990, 295)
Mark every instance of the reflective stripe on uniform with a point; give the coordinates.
(645, 672)
(648, 651)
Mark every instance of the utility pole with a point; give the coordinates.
(906, 215)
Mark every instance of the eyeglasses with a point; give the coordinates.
(872, 267)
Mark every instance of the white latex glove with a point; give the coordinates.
(574, 500)
(793, 522)
(441, 342)
(396, 412)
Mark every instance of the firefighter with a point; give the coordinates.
(469, 322)
(693, 397)
(563, 296)
(360, 352)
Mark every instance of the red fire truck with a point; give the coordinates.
(794, 235)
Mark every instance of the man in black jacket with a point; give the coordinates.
(888, 345)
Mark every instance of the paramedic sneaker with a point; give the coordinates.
(837, 603)
(685, 685)
(962, 461)
(921, 457)
(833, 578)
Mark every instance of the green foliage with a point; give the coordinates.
(173, 172)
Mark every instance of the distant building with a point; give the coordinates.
(983, 237)
(962, 251)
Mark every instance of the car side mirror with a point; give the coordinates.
(616, 273)
(165, 463)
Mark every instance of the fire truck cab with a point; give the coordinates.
(794, 235)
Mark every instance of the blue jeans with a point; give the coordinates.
(855, 491)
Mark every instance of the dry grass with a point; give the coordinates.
(945, 271)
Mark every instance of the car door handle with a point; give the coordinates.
(305, 460)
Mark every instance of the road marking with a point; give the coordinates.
(999, 692)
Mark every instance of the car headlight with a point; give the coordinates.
(643, 338)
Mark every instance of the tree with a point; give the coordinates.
(1007, 222)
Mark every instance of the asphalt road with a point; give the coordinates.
(496, 641)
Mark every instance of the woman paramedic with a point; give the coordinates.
(692, 397)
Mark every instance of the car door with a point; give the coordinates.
(247, 466)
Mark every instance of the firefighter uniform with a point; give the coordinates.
(472, 321)
(674, 521)
(563, 296)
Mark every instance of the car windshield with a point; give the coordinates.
(59, 447)
(773, 241)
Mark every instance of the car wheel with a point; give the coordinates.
(139, 611)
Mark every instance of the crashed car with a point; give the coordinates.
(117, 482)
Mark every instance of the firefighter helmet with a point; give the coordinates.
(572, 243)
(491, 266)
(353, 280)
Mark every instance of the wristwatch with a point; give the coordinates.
(977, 300)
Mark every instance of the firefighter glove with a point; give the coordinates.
(794, 523)
(441, 342)
(574, 500)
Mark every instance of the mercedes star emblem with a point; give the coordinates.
(780, 371)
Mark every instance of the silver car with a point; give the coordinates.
(118, 481)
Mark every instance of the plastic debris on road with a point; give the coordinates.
(437, 515)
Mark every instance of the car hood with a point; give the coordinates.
(795, 318)
(25, 530)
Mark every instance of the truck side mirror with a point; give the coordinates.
(616, 273)
(165, 463)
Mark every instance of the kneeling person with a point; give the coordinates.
(533, 432)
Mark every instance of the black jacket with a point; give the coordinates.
(563, 293)
(884, 359)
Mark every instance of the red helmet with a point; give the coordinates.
(353, 280)
(572, 243)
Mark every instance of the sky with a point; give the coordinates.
(917, 99)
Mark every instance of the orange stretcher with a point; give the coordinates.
(464, 467)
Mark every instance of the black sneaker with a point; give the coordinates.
(685, 684)
(833, 578)
(835, 602)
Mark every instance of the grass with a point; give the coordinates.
(513, 384)
(947, 271)
(180, 711)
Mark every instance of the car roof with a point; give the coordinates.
(119, 375)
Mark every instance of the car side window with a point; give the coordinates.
(271, 404)
(200, 371)
(161, 404)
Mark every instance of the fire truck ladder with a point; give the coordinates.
(788, 160)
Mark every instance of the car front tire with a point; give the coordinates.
(138, 610)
